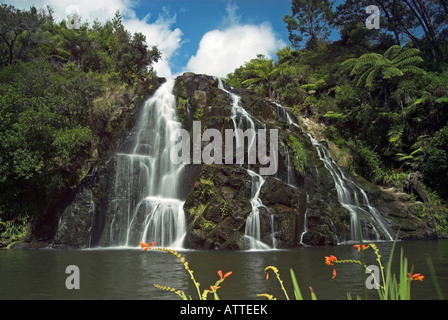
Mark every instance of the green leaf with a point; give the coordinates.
(297, 292)
(333, 115)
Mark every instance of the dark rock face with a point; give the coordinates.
(217, 197)
(399, 212)
(218, 208)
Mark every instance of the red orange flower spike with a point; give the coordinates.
(359, 247)
(225, 276)
(329, 260)
(334, 273)
(145, 246)
(417, 276)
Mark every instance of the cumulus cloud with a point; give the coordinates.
(89, 10)
(221, 51)
(159, 33)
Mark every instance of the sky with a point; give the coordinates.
(213, 37)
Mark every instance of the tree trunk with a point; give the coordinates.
(419, 9)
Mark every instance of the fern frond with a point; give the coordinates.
(349, 63)
(371, 77)
(406, 54)
(364, 62)
(413, 70)
(409, 61)
(391, 72)
(392, 51)
(362, 79)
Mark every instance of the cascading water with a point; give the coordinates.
(253, 230)
(147, 206)
(364, 217)
(366, 221)
(242, 121)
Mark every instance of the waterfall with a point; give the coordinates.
(253, 230)
(146, 206)
(242, 120)
(366, 221)
(289, 168)
(364, 217)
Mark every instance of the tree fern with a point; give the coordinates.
(369, 77)
(392, 52)
(395, 62)
(409, 61)
(405, 54)
(390, 72)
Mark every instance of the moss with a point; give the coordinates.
(182, 107)
(299, 154)
(198, 114)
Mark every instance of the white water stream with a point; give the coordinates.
(147, 206)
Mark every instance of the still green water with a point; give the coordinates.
(129, 273)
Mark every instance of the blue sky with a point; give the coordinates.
(202, 36)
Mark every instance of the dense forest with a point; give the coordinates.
(52, 82)
(381, 94)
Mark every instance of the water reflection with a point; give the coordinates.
(130, 274)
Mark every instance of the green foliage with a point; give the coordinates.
(367, 162)
(49, 78)
(299, 159)
(44, 133)
(199, 113)
(435, 165)
(257, 75)
(395, 62)
(14, 229)
(381, 99)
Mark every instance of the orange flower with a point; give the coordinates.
(225, 276)
(329, 260)
(417, 276)
(214, 288)
(334, 273)
(359, 247)
(145, 246)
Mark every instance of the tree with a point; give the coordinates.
(436, 161)
(261, 73)
(131, 53)
(17, 26)
(418, 21)
(309, 22)
(395, 62)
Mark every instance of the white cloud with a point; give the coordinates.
(222, 51)
(88, 10)
(159, 32)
